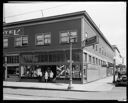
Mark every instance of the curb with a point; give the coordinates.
(47, 89)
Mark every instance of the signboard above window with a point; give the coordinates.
(13, 31)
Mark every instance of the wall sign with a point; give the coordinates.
(13, 31)
(90, 41)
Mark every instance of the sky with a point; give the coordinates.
(110, 17)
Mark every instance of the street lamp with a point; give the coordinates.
(70, 83)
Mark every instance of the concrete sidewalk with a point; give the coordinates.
(104, 84)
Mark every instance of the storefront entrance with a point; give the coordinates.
(13, 73)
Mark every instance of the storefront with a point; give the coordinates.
(55, 61)
(12, 67)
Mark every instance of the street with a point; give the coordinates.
(117, 93)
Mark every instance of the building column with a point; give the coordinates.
(6, 68)
(19, 67)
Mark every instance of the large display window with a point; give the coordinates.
(13, 71)
(63, 71)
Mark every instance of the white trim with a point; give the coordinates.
(14, 64)
(44, 22)
(11, 55)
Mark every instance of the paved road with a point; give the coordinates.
(117, 93)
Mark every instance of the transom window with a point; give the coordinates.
(43, 39)
(5, 42)
(66, 37)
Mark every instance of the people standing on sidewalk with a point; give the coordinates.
(46, 76)
(51, 76)
(39, 74)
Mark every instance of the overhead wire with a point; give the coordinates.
(35, 11)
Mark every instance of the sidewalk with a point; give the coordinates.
(104, 84)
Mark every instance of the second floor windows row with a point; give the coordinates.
(42, 39)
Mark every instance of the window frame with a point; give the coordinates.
(7, 42)
(20, 36)
(68, 41)
(17, 36)
(27, 40)
(44, 38)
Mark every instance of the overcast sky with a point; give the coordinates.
(110, 17)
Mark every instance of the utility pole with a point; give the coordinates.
(70, 82)
(114, 71)
(5, 68)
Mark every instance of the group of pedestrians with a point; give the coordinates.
(48, 76)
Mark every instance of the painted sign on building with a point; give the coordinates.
(13, 31)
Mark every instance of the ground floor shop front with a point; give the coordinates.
(26, 67)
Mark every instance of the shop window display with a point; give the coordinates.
(13, 70)
(63, 71)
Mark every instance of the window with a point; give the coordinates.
(96, 61)
(12, 59)
(89, 58)
(99, 61)
(93, 60)
(39, 39)
(99, 50)
(64, 37)
(93, 46)
(13, 70)
(18, 41)
(73, 36)
(47, 38)
(96, 47)
(21, 40)
(5, 42)
(43, 39)
(25, 40)
(85, 57)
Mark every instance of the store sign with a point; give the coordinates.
(14, 31)
(90, 41)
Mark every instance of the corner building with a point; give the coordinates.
(44, 44)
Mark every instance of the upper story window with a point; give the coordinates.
(89, 58)
(96, 61)
(93, 46)
(43, 39)
(25, 40)
(5, 42)
(99, 50)
(47, 38)
(85, 57)
(21, 41)
(93, 60)
(68, 36)
(18, 41)
(96, 47)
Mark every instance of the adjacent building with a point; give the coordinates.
(43, 45)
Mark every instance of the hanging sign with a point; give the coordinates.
(90, 41)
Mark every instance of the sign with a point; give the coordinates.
(90, 41)
(69, 61)
(14, 31)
